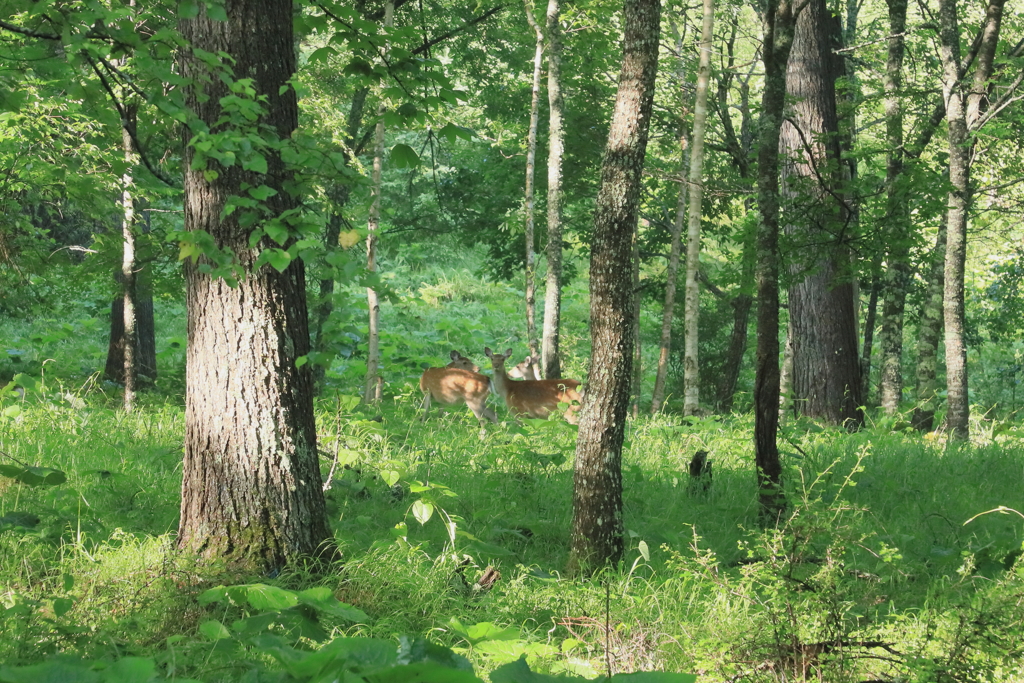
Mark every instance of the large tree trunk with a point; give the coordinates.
(779, 24)
(897, 219)
(597, 481)
(374, 382)
(531, 163)
(826, 366)
(552, 362)
(929, 328)
(691, 316)
(251, 485)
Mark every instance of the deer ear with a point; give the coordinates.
(487, 351)
(508, 353)
(455, 355)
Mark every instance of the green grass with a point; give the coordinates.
(883, 541)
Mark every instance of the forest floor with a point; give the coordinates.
(884, 568)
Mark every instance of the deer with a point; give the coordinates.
(529, 368)
(459, 382)
(533, 397)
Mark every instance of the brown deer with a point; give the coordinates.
(531, 397)
(529, 368)
(459, 382)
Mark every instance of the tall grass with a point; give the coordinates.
(886, 541)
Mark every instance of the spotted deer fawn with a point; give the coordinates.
(532, 397)
(459, 382)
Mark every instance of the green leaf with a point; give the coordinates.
(279, 259)
(62, 606)
(256, 163)
(322, 600)
(214, 630)
(263, 597)
(645, 552)
(53, 671)
(216, 11)
(426, 672)
(34, 476)
(187, 9)
(263, 192)
(404, 156)
(422, 511)
(322, 55)
(654, 677)
(130, 670)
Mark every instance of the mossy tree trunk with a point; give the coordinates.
(597, 526)
(779, 24)
(251, 485)
(826, 365)
(550, 353)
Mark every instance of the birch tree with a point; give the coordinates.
(372, 393)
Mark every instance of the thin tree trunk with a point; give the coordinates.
(739, 146)
(869, 333)
(786, 380)
(779, 27)
(691, 374)
(531, 162)
(638, 352)
(671, 274)
(251, 487)
(897, 223)
(372, 393)
(130, 336)
(962, 113)
(668, 310)
(339, 196)
(597, 481)
(550, 353)
(929, 329)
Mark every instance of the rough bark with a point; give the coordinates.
(786, 378)
(251, 485)
(374, 382)
(779, 24)
(691, 316)
(145, 334)
(897, 218)
(870, 318)
(963, 110)
(929, 328)
(597, 481)
(638, 352)
(550, 352)
(531, 162)
(130, 339)
(826, 366)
